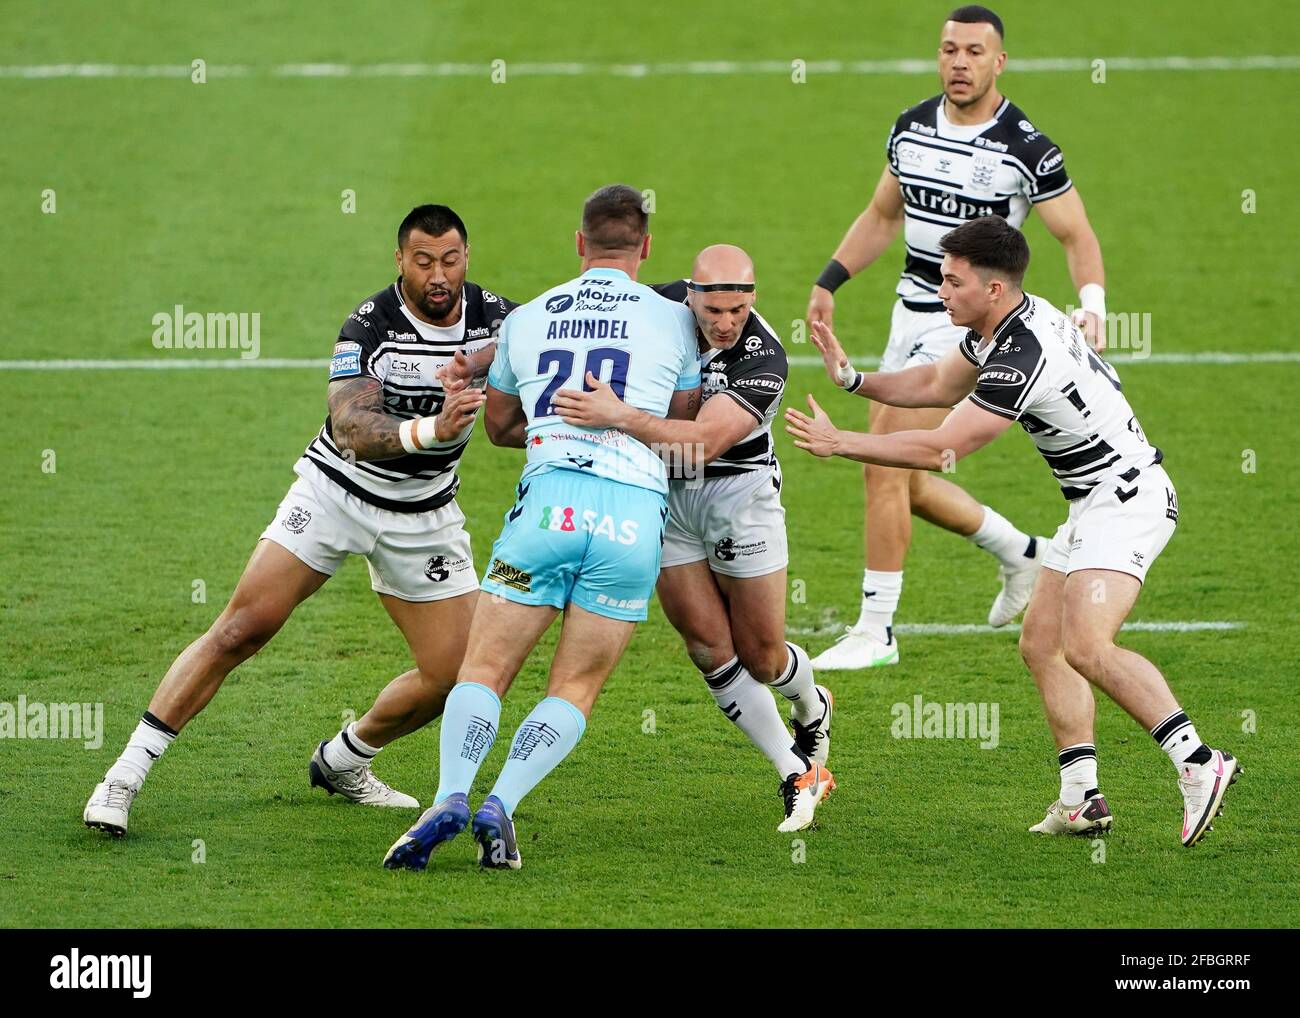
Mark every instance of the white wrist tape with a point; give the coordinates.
(1092, 298)
(844, 375)
(419, 434)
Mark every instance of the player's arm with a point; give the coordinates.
(963, 431)
(695, 438)
(361, 424)
(504, 419)
(938, 384)
(1067, 221)
(867, 239)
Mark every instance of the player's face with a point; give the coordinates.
(433, 272)
(721, 315)
(964, 294)
(970, 58)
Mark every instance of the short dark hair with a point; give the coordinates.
(435, 220)
(974, 14)
(992, 244)
(614, 218)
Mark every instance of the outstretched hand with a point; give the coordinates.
(817, 434)
(458, 369)
(599, 407)
(458, 410)
(833, 356)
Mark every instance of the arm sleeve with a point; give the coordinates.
(757, 382)
(1009, 384)
(354, 349)
(1048, 177)
(501, 375)
(891, 154)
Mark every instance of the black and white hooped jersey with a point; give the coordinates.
(1038, 370)
(951, 173)
(753, 373)
(383, 340)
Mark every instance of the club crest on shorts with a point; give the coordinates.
(297, 520)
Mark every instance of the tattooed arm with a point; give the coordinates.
(361, 424)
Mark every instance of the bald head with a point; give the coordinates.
(721, 313)
(723, 263)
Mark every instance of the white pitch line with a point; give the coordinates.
(164, 364)
(1199, 357)
(797, 361)
(1260, 62)
(974, 629)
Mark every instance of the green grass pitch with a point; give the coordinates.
(226, 196)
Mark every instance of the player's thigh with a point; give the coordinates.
(1040, 633)
(589, 648)
(501, 636)
(756, 605)
(1095, 604)
(691, 600)
(436, 631)
(273, 584)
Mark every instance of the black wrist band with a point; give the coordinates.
(857, 381)
(833, 276)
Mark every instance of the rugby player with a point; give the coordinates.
(722, 581)
(964, 153)
(1021, 359)
(379, 480)
(583, 537)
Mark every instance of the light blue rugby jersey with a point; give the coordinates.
(625, 334)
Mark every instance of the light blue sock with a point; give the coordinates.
(469, 727)
(544, 738)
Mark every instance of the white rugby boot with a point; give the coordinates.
(109, 807)
(1017, 586)
(1204, 786)
(802, 793)
(857, 648)
(1092, 816)
(359, 785)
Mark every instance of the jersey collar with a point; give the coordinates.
(986, 346)
(947, 129)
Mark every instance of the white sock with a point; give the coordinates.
(346, 752)
(147, 744)
(1078, 772)
(747, 704)
(880, 594)
(1177, 737)
(998, 537)
(796, 684)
